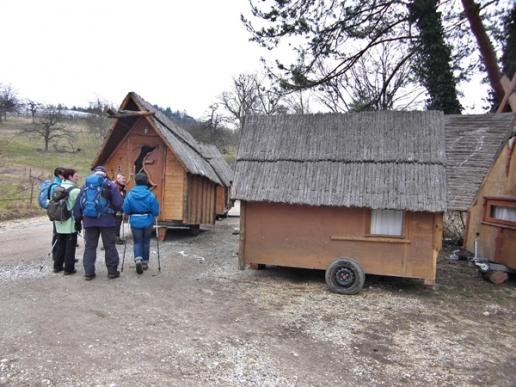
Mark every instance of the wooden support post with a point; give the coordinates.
(162, 233)
(497, 277)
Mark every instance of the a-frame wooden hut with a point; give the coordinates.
(346, 193)
(223, 201)
(482, 181)
(142, 139)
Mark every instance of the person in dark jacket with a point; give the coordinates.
(142, 207)
(103, 225)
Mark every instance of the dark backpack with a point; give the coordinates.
(57, 206)
(93, 202)
(44, 193)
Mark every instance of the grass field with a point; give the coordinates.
(22, 156)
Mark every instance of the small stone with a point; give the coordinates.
(4, 361)
(486, 313)
(295, 354)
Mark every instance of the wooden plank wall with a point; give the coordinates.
(201, 200)
(118, 161)
(221, 200)
(174, 190)
(313, 237)
(496, 243)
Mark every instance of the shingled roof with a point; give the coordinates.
(472, 145)
(391, 160)
(187, 149)
(217, 161)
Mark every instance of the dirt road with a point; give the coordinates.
(203, 322)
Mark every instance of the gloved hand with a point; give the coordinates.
(78, 226)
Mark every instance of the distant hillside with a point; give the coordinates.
(177, 116)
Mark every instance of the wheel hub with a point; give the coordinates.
(345, 276)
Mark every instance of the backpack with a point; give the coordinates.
(57, 206)
(44, 192)
(93, 203)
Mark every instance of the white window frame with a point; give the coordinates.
(387, 223)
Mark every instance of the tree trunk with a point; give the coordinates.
(471, 9)
(46, 144)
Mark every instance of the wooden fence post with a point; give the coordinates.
(31, 186)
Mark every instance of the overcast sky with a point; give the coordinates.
(181, 54)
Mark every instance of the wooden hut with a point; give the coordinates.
(482, 181)
(223, 201)
(346, 193)
(142, 139)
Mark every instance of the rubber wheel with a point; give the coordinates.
(345, 276)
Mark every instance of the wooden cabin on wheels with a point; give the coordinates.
(142, 139)
(482, 181)
(223, 201)
(346, 193)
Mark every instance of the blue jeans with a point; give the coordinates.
(141, 238)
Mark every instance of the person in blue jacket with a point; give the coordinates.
(142, 207)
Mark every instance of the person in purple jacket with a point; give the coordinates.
(96, 207)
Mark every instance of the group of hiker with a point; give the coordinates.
(98, 207)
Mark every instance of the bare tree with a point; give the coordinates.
(98, 121)
(33, 107)
(298, 102)
(241, 100)
(9, 102)
(376, 82)
(252, 95)
(49, 126)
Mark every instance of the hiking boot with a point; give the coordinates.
(57, 269)
(145, 265)
(89, 277)
(139, 267)
(70, 272)
(113, 274)
(119, 241)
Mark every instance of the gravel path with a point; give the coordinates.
(201, 321)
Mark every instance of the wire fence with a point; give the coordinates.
(26, 192)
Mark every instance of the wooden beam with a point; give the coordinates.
(510, 97)
(128, 113)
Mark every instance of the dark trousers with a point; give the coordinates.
(91, 238)
(141, 243)
(65, 252)
(54, 241)
(118, 220)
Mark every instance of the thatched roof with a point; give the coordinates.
(187, 149)
(217, 161)
(472, 145)
(392, 160)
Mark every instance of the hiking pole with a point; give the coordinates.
(157, 244)
(125, 243)
(48, 255)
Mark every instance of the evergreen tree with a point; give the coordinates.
(433, 58)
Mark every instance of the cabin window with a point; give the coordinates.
(500, 211)
(387, 222)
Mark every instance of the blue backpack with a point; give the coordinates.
(44, 193)
(93, 202)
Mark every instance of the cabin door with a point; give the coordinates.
(147, 154)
